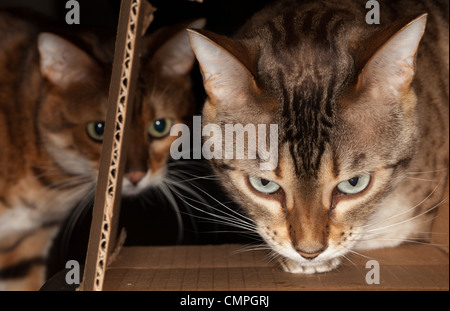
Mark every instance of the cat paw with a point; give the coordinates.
(292, 266)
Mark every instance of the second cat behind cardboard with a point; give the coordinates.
(53, 96)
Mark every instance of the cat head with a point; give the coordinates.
(74, 102)
(345, 111)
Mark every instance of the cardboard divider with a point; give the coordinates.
(135, 17)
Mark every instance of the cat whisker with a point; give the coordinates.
(375, 234)
(166, 88)
(182, 162)
(351, 261)
(177, 183)
(223, 205)
(427, 172)
(78, 213)
(422, 179)
(194, 178)
(418, 223)
(48, 172)
(402, 213)
(197, 177)
(371, 236)
(222, 220)
(272, 256)
(359, 254)
(251, 248)
(404, 240)
(72, 182)
(408, 220)
(226, 220)
(176, 179)
(247, 233)
(152, 94)
(48, 166)
(169, 196)
(204, 203)
(172, 184)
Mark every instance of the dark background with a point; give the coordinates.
(224, 16)
(155, 223)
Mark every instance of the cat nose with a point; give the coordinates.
(135, 177)
(309, 256)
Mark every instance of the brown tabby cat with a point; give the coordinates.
(362, 112)
(53, 96)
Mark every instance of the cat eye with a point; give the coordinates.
(96, 130)
(160, 128)
(263, 185)
(354, 185)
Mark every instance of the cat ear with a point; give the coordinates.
(225, 75)
(175, 56)
(392, 67)
(62, 63)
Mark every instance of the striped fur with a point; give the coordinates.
(50, 89)
(340, 91)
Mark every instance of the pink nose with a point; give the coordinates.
(135, 177)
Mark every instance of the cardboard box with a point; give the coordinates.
(223, 267)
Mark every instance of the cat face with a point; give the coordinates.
(73, 112)
(347, 129)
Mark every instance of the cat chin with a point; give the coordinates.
(300, 265)
(292, 266)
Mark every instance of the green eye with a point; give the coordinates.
(263, 185)
(354, 185)
(160, 128)
(96, 130)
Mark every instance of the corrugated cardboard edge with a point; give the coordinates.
(135, 16)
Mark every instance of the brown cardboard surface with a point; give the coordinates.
(227, 267)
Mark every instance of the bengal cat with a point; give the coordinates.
(53, 95)
(362, 112)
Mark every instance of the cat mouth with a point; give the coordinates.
(311, 268)
(291, 261)
(294, 263)
(135, 183)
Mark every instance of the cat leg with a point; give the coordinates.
(24, 267)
